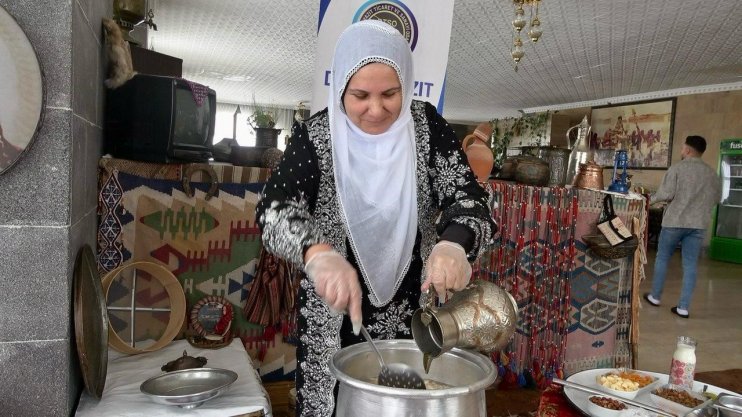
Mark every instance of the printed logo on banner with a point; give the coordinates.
(394, 13)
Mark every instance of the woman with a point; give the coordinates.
(364, 190)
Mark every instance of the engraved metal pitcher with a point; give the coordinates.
(580, 153)
(482, 316)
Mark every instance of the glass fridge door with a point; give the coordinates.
(729, 215)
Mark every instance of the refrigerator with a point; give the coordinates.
(726, 240)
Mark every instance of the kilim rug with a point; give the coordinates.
(532, 259)
(600, 292)
(211, 245)
(574, 307)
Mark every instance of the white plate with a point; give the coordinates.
(580, 399)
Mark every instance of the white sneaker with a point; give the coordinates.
(651, 300)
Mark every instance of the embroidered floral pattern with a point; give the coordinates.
(426, 210)
(448, 175)
(287, 228)
(321, 340)
(392, 321)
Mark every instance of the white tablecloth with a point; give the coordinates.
(122, 398)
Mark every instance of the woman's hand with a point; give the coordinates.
(447, 268)
(336, 282)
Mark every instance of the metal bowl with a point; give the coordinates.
(706, 411)
(188, 388)
(729, 405)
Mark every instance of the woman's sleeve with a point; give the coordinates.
(287, 201)
(465, 214)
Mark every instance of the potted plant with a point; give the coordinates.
(263, 123)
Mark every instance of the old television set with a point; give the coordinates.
(159, 119)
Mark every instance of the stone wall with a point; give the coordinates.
(47, 209)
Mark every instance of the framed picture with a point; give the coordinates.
(643, 128)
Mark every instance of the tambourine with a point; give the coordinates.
(21, 92)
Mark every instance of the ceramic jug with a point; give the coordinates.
(477, 150)
(480, 157)
(482, 316)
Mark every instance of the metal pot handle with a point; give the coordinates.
(569, 142)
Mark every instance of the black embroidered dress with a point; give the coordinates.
(299, 208)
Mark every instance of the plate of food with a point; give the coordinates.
(589, 378)
(625, 383)
(599, 406)
(677, 399)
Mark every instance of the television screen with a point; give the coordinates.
(191, 124)
(158, 119)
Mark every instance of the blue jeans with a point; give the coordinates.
(690, 241)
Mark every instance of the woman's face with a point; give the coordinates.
(373, 98)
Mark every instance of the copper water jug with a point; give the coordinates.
(589, 176)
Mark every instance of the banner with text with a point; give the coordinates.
(425, 24)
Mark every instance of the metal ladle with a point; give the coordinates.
(395, 375)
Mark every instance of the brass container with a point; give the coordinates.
(507, 172)
(482, 316)
(590, 176)
(532, 171)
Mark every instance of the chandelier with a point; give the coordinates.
(520, 22)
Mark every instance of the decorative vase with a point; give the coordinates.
(558, 159)
(479, 156)
(265, 136)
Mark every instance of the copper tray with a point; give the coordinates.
(91, 322)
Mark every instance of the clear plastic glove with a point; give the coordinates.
(447, 268)
(336, 282)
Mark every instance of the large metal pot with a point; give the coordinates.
(557, 158)
(468, 373)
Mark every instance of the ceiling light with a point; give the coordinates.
(519, 22)
(517, 52)
(534, 32)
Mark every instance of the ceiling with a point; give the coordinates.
(590, 51)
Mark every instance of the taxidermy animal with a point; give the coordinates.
(120, 68)
(184, 362)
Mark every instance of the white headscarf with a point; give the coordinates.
(375, 174)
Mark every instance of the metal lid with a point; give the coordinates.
(91, 322)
